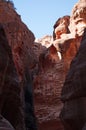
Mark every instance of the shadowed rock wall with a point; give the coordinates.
(16, 62)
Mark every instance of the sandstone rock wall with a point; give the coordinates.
(53, 66)
(16, 102)
(73, 95)
(10, 102)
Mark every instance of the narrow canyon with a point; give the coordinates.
(42, 81)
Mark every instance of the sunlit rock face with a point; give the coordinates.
(45, 41)
(53, 63)
(78, 18)
(61, 27)
(16, 63)
(68, 41)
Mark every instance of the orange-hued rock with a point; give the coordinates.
(78, 18)
(47, 85)
(20, 38)
(16, 63)
(53, 62)
(61, 27)
(74, 26)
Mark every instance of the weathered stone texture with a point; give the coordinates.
(73, 95)
(10, 103)
(16, 63)
(53, 67)
(47, 86)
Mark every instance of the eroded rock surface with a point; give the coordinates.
(53, 63)
(73, 95)
(16, 63)
(10, 102)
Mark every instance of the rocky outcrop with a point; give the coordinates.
(70, 27)
(16, 63)
(68, 32)
(53, 62)
(45, 41)
(78, 18)
(10, 102)
(74, 91)
(45, 81)
(61, 27)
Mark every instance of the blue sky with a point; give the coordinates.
(40, 15)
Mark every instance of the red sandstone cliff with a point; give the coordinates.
(16, 63)
(47, 67)
(73, 113)
(53, 62)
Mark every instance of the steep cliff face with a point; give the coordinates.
(73, 94)
(47, 68)
(10, 102)
(16, 42)
(53, 64)
(20, 38)
(47, 77)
